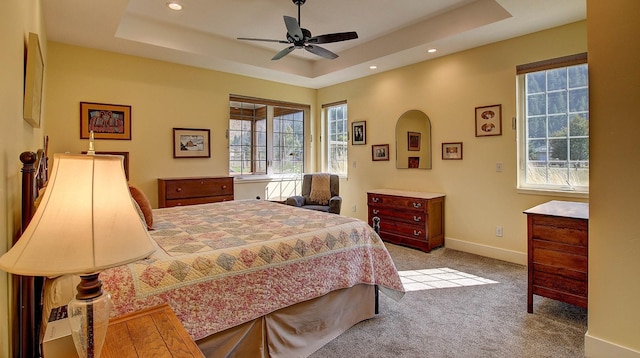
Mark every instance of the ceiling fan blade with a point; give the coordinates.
(337, 37)
(266, 40)
(283, 53)
(293, 28)
(322, 52)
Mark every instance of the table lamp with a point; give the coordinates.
(86, 222)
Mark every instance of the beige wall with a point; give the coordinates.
(614, 234)
(163, 96)
(448, 89)
(17, 19)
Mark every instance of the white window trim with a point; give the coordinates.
(325, 139)
(270, 176)
(539, 189)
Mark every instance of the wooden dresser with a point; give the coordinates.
(153, 332)
(194, 190)
(558, 246)
(408, 218)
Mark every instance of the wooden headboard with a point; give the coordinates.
(27, 289)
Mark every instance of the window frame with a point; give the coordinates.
(581, 191)
(271, 107)
(327, 135)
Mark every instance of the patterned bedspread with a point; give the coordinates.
(220, 265)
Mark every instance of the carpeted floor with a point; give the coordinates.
(474, 321)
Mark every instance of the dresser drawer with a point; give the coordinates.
(201, 200)
(194, 190)
(398, 202)
(411, 217)
(198, 187)
(403, 229)
(561, 230)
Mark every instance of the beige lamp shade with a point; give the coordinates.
(86, 221)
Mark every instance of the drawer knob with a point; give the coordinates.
(178, 189)
(201, 181)
(417, 232)
(417, 205)
(375, 211)
(375, 200)
(417, 218)
(224, 187)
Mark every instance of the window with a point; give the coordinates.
(335, 115)
(553, 146)
(265, 137)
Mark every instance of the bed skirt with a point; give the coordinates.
(295, 331)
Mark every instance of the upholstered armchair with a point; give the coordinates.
(334, 201)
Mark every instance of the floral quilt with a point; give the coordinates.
(223, 264)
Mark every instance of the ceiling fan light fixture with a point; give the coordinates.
(175, 6)
(301, 38)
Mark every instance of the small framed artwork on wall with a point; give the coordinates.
(489, 120)
(107, 121)
(413, 138)
(359, 133)
(191, 143)
(380, 152)
(452, 151)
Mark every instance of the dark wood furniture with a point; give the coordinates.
(153, 332)
(194, 190)
(409, 218)
(558, 245)
(27, 290)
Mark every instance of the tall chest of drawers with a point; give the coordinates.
(558, 246)
(193, 190)
(409, 218)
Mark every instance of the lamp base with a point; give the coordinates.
(89, 316)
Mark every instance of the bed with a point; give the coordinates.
(252, 278)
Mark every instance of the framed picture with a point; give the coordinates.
(413, 140)
(452, 151)
(359, 133)
(380, 152)
(414, 162)
(191, 143)
(489, 120)
(33, 82)
(125, 155)
(107, 121)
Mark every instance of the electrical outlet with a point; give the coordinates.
(498, 167)
(353, 208)
(499, 231)
(354, 164)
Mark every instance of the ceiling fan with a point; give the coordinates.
(299, 38)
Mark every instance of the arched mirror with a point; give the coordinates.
(413, 140)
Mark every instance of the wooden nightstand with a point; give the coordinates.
(152, 332)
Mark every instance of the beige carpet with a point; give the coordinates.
(472, 321)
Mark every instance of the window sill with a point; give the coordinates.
(548, 192)
(264, 178)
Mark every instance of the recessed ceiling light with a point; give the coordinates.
(373, 67)
(431, 50)
(174, 6)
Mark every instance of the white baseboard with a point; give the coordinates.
(487, 251)
(599, 348)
